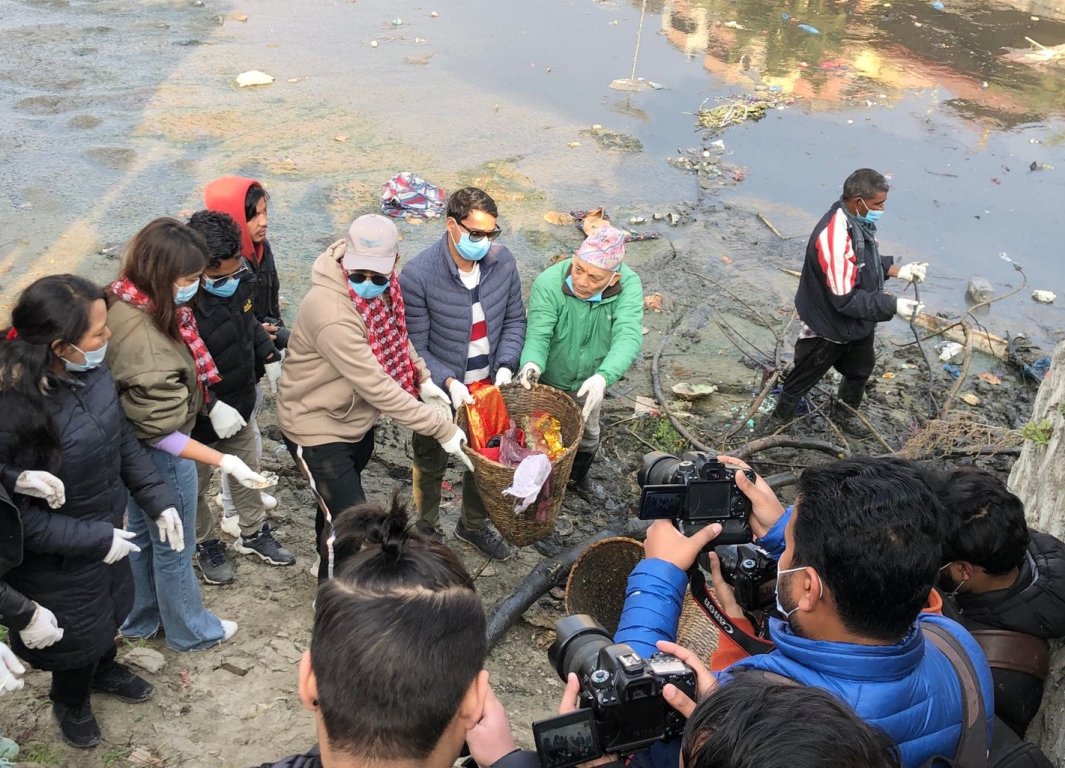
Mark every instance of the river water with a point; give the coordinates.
(113, 112)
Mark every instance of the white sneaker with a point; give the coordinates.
(269, 502)
(231, 525)
(229, 628)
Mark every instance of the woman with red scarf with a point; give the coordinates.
(349, 361)
(162, 369)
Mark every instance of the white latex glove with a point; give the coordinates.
(242, 473)
(454, 447)
(504, 376)
(42, 485)
(121, 546)
(226, 420)
(529, 375)
(907, 308)
(43, 630)
(592, 391)
(273, 374)
(913, 273)
(436, 397)
(170, 529)
(11, 671)
(460, 394)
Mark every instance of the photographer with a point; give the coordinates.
(857, 556)
(394, 674)
(1003, 583)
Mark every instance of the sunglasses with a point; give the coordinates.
(373, 277)
(215, 282)
(477, 235)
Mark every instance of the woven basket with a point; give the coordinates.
(695, 631)
(492, 478)
(596, 583)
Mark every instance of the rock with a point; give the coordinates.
(253, 77)
(1043, 297)
(979, 290)
(238, 664)
(148, 659)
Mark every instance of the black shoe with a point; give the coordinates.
(263, 545)
(429, 531)
(582, 462)
(114, 679)
(77, 724)
(551, 546)
(487, 540)
(214, 565)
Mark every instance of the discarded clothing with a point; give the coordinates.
(529, 478)
(406, 194)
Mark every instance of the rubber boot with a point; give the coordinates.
(851, 392)
(582, 462)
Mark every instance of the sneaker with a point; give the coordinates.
(231, 525)
(429, 531)
(487, 540)
(269, 502)
(77, 724)
(229, 628)
(263, 545)
(214, 565)
(120, 682)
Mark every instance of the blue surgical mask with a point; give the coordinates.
(870, 216)
(93, 360)
(184, 295)
(593, 299)
(776, 592)
(225, 290)
(367, 290)
(470, 250)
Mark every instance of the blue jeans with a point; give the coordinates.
(166, 589)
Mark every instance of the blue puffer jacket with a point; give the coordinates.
(908, 689)
(439, 310)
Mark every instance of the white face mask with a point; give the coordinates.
(776, 591)
(93, 359)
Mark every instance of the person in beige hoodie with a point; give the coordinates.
(349, 361)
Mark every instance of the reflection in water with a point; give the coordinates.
(862, 51)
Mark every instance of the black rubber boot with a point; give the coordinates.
(582, 462)
(851, 392)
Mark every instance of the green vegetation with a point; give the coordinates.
(40, 752)
(1038, 432)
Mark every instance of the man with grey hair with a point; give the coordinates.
(841, 297)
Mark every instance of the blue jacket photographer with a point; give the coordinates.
(857, 557)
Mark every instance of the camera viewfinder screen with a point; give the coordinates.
(566, 740)
(662, 502)
(708, 499)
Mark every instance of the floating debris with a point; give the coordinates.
(609, 139)
(253, 77)
(739, 109)
(635, 84)
(1044, 297)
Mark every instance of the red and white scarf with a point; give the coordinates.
(386, 330)
(206, 370)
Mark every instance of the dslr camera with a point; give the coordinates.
(694, 491)
(621, 706)
(751, 572)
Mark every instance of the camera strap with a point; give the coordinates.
(752, 646)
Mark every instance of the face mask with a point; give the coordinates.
(946, 582)
(184, 295)
(225, 290)
(366, 289)
(470, 250)
(594, 299)
(870, 216)
(93, 360)
(776, 591)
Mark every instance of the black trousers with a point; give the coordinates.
(73, 686)
(334, 471)
(854, 360)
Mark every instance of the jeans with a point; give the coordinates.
(73, 686)
(427, 471)
(248, 501)
(334, 472)
(165, 587)
(228, 508)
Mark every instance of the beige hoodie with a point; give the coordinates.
(332, 387)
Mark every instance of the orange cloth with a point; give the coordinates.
(487, 417)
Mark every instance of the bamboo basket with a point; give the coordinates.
(596, 584)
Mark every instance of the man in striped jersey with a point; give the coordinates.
(465, 317)
(841, 297)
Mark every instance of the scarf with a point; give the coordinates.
(206, 371)
(386, 330)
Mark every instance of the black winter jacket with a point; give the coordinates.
(312, 759)
(266, 294)
(841, 290)
(239, 345)
(16, 609)
(1035, 605)
(63, 566)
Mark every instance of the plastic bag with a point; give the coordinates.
(529, 479)
(488, 415)
(543, 433)
(512, 450)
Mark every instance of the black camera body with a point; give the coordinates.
(751, 572)
(695, 491)
(622, 709)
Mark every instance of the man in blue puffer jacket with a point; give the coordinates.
(857, 555)
(466, 319)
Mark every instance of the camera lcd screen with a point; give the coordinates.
(662, 502)
(708, 499)
(566, 740)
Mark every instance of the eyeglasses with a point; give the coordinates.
(373, 277)
(477, 235)
(216, 282)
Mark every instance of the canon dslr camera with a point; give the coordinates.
(694, 491)
(621, 706)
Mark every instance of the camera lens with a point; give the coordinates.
(657, 469)
(576, 648)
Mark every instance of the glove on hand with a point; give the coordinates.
(529, 375)
(43, 630)
(170, 529)
(592, 391)
(226, 420)
(242, 473)
(504, 376)
(460, 394)
(907, 309)
(121, 546)
(913, 273)
(453, 446)
(273, 374)
(42, 485)
(11, 671)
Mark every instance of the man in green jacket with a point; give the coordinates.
(585, 330)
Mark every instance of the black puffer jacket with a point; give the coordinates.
(63, 566)
(1035, 605)
(16, 609)
(239, 345)
(266, 293)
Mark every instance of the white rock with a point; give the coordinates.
(1044, 297)
(148, 659)
(253, 77)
